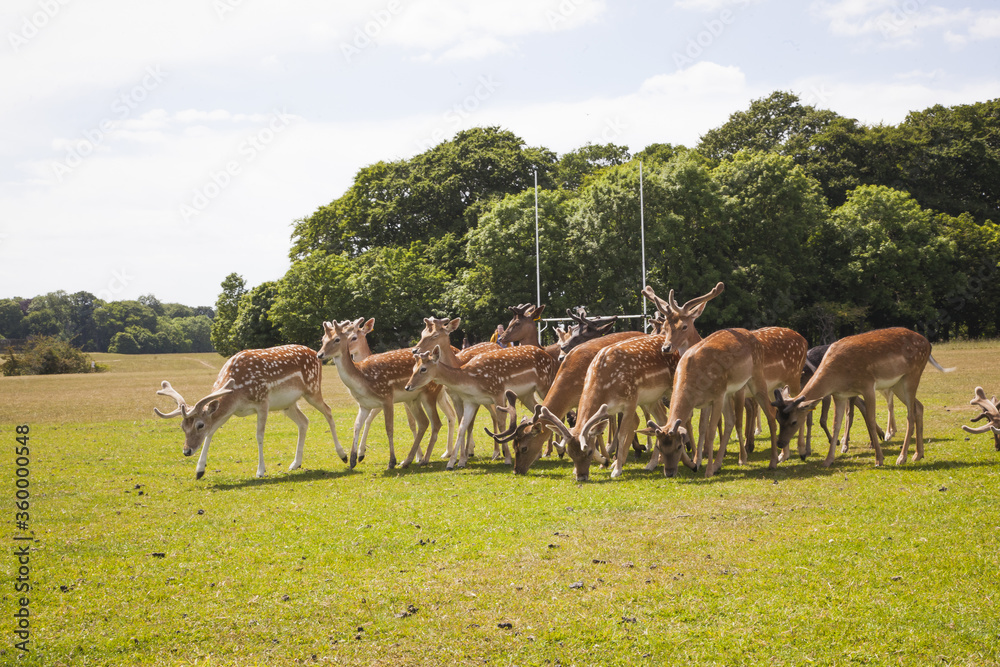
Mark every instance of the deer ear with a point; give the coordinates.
(454, 324)
(368, 327)
(435, 354)
(212, 407)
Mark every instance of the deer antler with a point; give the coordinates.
(697, 301)
(661, 305)
(218, 393)
(595, 419)
(542, 413)
(990, 412)
(167, 390)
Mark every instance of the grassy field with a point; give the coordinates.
(136, 563)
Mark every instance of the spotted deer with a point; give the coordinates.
(399, 363)
(859, 366)
(531, 434)
(376, 384)
(254, 382)
(437, 332)
(525, 370)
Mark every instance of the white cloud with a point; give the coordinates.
(711, 5)
(901, 23)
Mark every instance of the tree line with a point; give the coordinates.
(91, 324)
(812, 220)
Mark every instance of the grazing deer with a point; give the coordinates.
(813, 359)
(255, 381)
(783, 354)
(859, 366)
(376, 383)
(714, 373)
(990, 413)
(484, 380)
(531, 434)
(626, 375)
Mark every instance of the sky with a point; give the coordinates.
(156, 147)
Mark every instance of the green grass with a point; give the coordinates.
(846, 565)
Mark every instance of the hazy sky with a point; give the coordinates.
(155, 147)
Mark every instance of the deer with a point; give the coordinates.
(860, 365)
(376, 383)
(783, 355)
(484, 380)
(531, 434)
(813, 359)
(400, 363)
(437, 331)
(990, 412)
(254, 382)
(585, 329)
(626, 375)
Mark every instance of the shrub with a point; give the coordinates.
(46, 355)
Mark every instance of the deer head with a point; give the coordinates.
(424, 369)
(580, 447)
(202, 419)
(678, 321)
(670, 442)
(990, 412)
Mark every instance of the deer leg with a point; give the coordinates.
(851, 403)
(840, 407)
(388, 414)
(869, 413)
(730, 410)
(460, 453)
(430, 407)
(890, 426)
(626, 429)
(324, 409)
(747, 446)
(660, 417)
(295, 414)
(452, 418)
(718, 406)
(704, 420)
(199, 470)
(824, 413)
(914, 418)
(261, 423)
(420, 418)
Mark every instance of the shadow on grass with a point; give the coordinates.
(286, 477)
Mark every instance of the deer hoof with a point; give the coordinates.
(344, 458)
(199, 474)
(750, 447)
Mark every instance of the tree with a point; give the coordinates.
(123, 343)
(772, 207)
(967, 307)
(501, 256)
(197, 331)
(253, 328)
(11, 319)
(315, 289)
(47, 355)
(112, 318)
(575, 166)
(227, 308)
(425, 197)
(897, 261)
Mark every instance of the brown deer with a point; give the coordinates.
(254, 382)
(376, 384)
(531, 434)
(859, 366)
(525, 370)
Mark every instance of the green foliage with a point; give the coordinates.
(124, 342)
(46, 355)
(11, 319)
(253, 328)
(315, 289)
(897, 262)
(575, 166)
(226, 310)
(425, 197)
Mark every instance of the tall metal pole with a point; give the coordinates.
(538, 265)
(642, 230)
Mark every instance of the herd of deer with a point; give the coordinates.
(605, 376)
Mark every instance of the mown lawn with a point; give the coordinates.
(137, 563)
